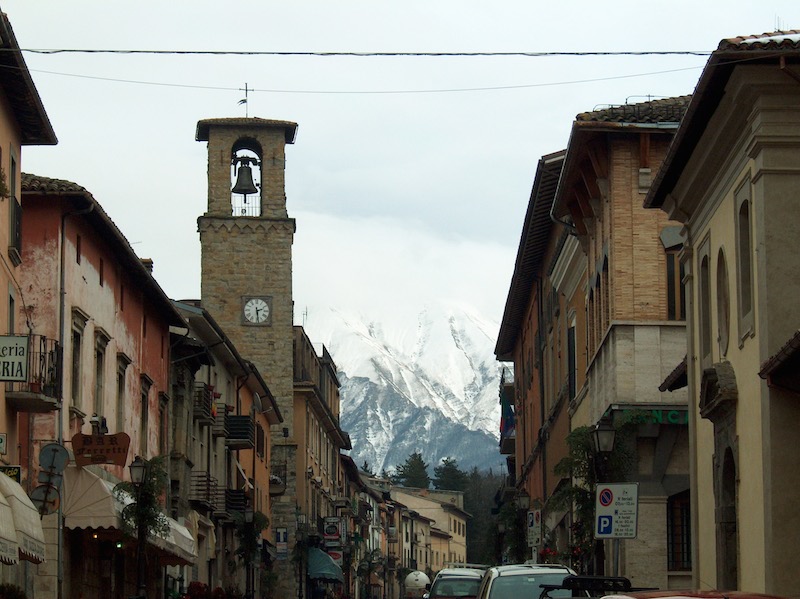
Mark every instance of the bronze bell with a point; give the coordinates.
(244, 181)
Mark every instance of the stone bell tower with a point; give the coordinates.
(246, 281)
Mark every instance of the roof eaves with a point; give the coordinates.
(36, 185)
(706, 97)
(533, 241)
(18, 85)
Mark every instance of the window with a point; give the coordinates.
(79, 320)
(101, 273)
(259, 441)
(11, 314)
(122, 366)
(705, 305)
(723, 304)
(679, 539)
(163, 424)
(572, 361)
(144, 417)
(78, 250)
(744, 249)
(100, 343)
(676, 301)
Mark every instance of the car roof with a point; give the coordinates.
(691, 594)
(514, 569)
(457, 572)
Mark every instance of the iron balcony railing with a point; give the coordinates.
(203, 405)
(41, 390)
(204, 490)
(240, 432)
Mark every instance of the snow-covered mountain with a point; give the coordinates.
(429, 384)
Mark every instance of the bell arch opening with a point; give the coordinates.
(245, 181)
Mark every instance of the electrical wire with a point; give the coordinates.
(368, 92)
(359, 54)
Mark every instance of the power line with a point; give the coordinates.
(367, 92)
(359, 54)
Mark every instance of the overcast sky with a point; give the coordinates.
(410, 176)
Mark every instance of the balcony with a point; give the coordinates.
(240, 432)
(229, 501)
(203, 491)
(218, 426)
(41, 391)
(203, 407)
(277, 481)
(508, 441)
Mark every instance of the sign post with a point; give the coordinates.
(616, 514)
(616, 511)
(534, 528)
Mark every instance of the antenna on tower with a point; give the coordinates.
(244, 100)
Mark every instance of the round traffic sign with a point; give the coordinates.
(606, 497)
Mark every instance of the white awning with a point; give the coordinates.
(9, 550)
(27, 521)
(90, 502)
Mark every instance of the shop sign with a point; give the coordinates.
(14, 472)
(332, 532)
(282, 543)
(13, 358)
(101, 449)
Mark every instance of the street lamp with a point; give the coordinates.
(603, 436)
(139, 470)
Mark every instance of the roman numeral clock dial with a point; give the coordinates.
(256, 310)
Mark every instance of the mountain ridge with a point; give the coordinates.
(432, 387)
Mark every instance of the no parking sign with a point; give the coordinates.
(616, 511)
(534, 528)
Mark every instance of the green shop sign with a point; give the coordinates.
(662, 416)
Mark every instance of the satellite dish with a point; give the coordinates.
(257, 403)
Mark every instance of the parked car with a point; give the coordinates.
(455, 583)
(524, 581)
(619, 587)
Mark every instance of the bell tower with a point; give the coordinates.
(246, 240)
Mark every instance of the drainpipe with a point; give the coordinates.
(60, 426)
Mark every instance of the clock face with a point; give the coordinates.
(256, 310)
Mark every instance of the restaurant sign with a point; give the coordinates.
(13, 358)
(101, 449)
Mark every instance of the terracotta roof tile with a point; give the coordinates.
(35, 183)
(776, 39)
(667, 110)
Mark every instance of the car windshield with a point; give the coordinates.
(455, 587)
(527, 586)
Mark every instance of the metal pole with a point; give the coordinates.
(616, 557)
(141, 529)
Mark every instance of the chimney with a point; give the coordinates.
(148, 264)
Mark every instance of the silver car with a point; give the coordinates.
(523, 581)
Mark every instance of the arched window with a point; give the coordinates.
(246, 178)
(744, 263)
(723, 304)
(705, 305)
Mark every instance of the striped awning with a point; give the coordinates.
(26, 520)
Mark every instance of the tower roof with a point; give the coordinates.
(289, 128)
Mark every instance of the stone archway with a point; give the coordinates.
(718, 399)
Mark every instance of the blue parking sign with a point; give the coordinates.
(605, 524)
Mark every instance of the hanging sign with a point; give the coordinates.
(13, 358)
(101, 449)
